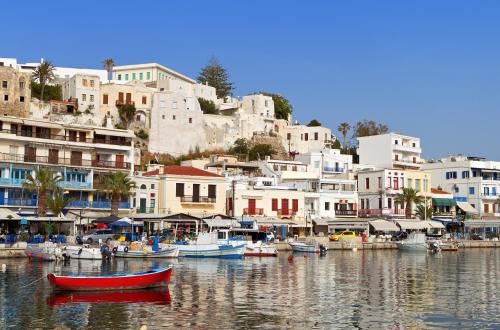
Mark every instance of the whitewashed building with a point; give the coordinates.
(84, 90)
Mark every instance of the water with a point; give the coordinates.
(352, 290)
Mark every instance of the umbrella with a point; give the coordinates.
(101, 226)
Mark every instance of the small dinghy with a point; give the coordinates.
(152, 278)
(308, 247)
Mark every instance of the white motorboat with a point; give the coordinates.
(260, 249)
(257, 248)
(83, 252)
(414, 242)
(308, 247)
(140, 250)
(46, 251)
(207, 246)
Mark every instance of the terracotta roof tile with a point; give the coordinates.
(438, 191)
(151, 173)
(187, 170)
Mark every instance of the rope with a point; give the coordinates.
(41, 278)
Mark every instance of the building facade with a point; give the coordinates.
(84, 90)
(15, 92)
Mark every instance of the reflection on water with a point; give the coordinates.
(363, 289)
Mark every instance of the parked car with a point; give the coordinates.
(106, 235)
(476, 237)
(342, 234)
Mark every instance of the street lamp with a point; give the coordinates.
(425, 196)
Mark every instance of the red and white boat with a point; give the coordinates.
(148, 279)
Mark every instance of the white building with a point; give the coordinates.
(304, 139)
(470, 179)
(327, 163)
(85, 90)
(390, 150)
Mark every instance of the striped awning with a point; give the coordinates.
(443, 202)
(412, 224)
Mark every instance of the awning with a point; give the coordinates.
(435, 224)
(383, 225)
(347, 224)
(320, 222)
(222, 223)
(121, 133)
(41, 124)
(6, 214)
(273, 221)
(107, 220)
(482, 223)
(443, 202)
(466, 207)
(412, 224)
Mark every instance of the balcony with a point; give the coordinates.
(346, 213)
(253, 211)
(75, 185)
(145, 210)
(380, 212)
(18, 202)
(327, 169)
(197, 199)
(407, 148)
(286, 212)
(97, 204)
(123, 102)
(64, 161)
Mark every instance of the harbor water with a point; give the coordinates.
(386, 289)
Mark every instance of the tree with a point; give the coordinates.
(424, 212)
(314, 123)
(208, 106)
(119, 185)
(407, 198)
(369, 128)
(57, 202)
(44, 73)
(336, 144)
(50, 92)
(344, 129)
(260, 151)
(240, 147)
(42, 182)
(282, 107)
(126, 113)
(216, 76)
(108, 64)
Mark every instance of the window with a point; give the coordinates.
(396, 157)
(493, 191)
(133, 76)
(465, 174)
(396, 141)
(316, 137)
(104, 98)
(4, 84)
(190, 120)
(389, 203)
(148, 75)
(143, 187)
(173, 117)
(212, 191)
(367, 183)
(471, 191)
(126, 76)
(140, 76)
(486, 191)
(91, 98)
(288, 136)
(414, 160)
(144, 100)
(92, 83)
(316, 164)
(380, 182)
(21, 99)
(327, 206)
(265, 103)
(152, 186)
(84, 97)
(417, 185)
(410, 183)
(179, 190)
(162, 116)
(21, 85)
(414, 144)
(274, 204)
(84, 82)
(174, 105)
(306, 136)
(119, 77)
(6, 97)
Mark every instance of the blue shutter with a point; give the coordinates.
(447, 175)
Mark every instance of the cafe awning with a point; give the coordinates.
(121, 133)
(412, 224)
(320, 222)
(467, 208)
(482, 223)
(435, 224)
(443, 202)
(222, 223)
(6, 214)
(383, 225)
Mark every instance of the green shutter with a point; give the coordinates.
(133, 76)
(148, 75)
(140, 76)
(126, 76)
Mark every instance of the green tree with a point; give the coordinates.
(240, 147)
(57, 202)
(108, 65)
(408, 198)
(260, 151)
(343, 129)
(51, 92)
(216, 76)
(369, 128)
(42, 181)
(314, 123)
(208, 106)
(282, 107)
(336, 144)
(126, 113)
(44, 73)
(119, 185)
(424, 212)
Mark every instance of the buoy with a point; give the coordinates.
(305, 255)
(4, 268)
(290, 258)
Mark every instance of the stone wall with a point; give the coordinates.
(15, 92)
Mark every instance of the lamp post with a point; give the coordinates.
(425, 197)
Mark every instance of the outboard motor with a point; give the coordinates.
(105, 251)
(435, 247)
(322, 250)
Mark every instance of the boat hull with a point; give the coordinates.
(211, 251)
(160, 297)
(154, 278)
(422, 247)
(303, 247)
(169, 253)
(77, 252)
(260, 250)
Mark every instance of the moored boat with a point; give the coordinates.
(254, 247)
(46, 252)
(142, 280)
(144, 251)
(207, 246)
(307, 247)
(415, 242)
(260, 249)
(83, 252)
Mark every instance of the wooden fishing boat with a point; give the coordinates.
(307, 247)
(160, 297)
(148, 279)
(165, 251)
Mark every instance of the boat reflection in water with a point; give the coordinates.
(151, 296)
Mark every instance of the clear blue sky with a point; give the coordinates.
(429, 68)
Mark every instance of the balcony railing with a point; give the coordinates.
(380, 212)
(253, 211)
(286, 212)
(70, 138)
(97, 204)
(123, 102)
(64, 161)
(145, 210)
(333, 169)
(18, 202)
(197, 199)
(346, 212)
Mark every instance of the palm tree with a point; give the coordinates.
(424, 212)
(41, 182)
(344, 129)
(108, 65)
(44, 73)
(119, 185)
(408, 197)
(57, 203)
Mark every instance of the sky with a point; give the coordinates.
(427, 68)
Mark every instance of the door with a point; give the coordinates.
(128, 98)
(120, 161)
(72, 136)
(76, 158)
(284, 207)
(53, 156)
(142, 205)
(120, 98)
(196, 192)
(251, 206)
(29, 154)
